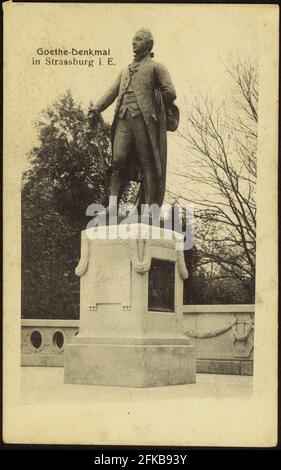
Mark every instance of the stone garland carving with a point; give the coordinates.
(181, 265)
(212, 333)
(84, 259)
(140, 264)
(143, 265)
(119, 241)
(179, 247)
(163, 243)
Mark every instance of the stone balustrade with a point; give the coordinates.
(223, 335)
(42, 341)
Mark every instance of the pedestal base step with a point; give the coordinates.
(129, 365)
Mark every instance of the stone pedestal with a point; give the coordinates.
(131, 330)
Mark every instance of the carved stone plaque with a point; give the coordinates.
(110, 276)
(161, 286)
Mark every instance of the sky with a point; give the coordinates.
(192, 41)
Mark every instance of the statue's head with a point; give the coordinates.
(142, 42)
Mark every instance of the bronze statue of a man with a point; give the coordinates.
(145, 94)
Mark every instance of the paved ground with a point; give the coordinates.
(45, 384)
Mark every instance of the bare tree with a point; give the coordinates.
(220, 176)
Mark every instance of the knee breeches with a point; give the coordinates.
(131, 132)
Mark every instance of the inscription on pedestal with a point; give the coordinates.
(161, 286)
(109, 277)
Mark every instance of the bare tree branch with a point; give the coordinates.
(221, 151)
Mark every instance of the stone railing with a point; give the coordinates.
(223, 335)
(42, 341)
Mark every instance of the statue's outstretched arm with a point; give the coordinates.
(109, 96)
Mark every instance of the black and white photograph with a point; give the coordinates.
(140, 224)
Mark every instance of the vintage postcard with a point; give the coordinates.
(140, 224)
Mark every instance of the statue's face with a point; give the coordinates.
(139, 42)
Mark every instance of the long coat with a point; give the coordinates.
(153, 88)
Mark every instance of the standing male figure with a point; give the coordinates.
(144, 93)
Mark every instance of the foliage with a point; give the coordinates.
(65, 177)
